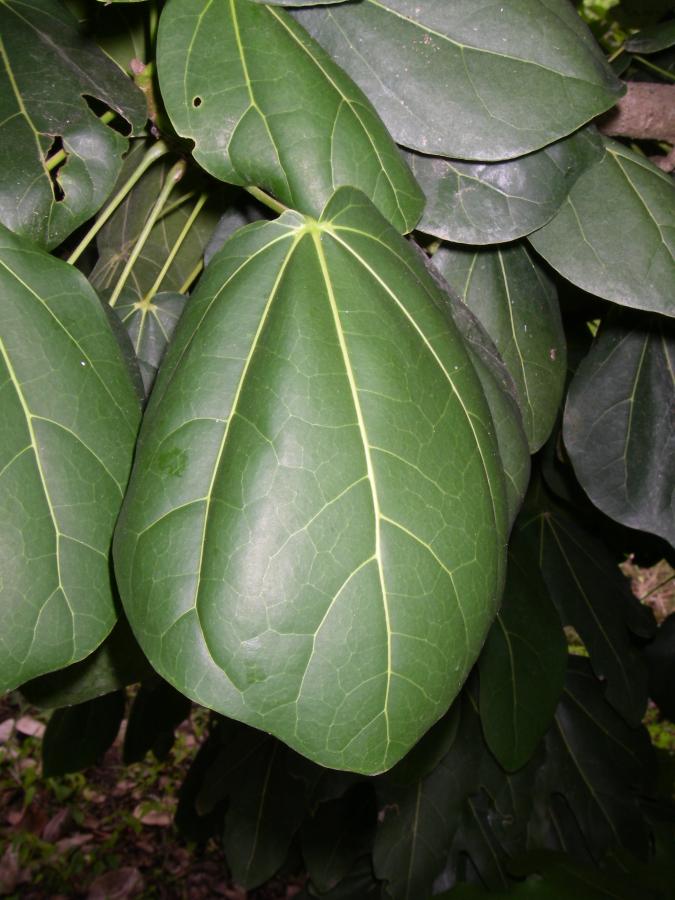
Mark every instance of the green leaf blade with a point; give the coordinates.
(72, 417)
(586, 240)
(31, 205)
(487, 203)
(328, 512)
(618, 425)
(517, 304)
(287, 119)
(466, 82)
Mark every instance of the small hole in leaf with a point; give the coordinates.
(196, 101)
(55, 158)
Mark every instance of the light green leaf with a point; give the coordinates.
(614, 236)
(488, 203)
(619, 425)
(317, 491)
(487, 81)
(265, 105)
(70, 418)
(150, 324)
(38, 117)
(517, 304)
(522, 666)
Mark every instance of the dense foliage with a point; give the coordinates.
(336, 381)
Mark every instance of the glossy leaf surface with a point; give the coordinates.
(591, 595)
(488, 203)
(486, 82)
(317, 491)
(38, 37)
(266, 105)
(522, 665)
(587, 241)
(517, 304)
(70, 418)
(619, 423)
(150, 325)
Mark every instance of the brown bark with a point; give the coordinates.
(645, 112)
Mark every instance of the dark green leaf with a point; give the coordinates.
(317, 491)
(193, 822)
(619, 425)
(265, 105)
(150, 324)
(599, 764)
(590, 594)
(228, 223)
(121, 29)
(416, 822)
(156, 712)
(117, 663)
(500, 393)
(77, 736)
(70, 418)
(516, 303)
(429, 751)
(470, 82)
(266, 786)
(487, 203)
(587, 240)
(653, 39)
(39, 40)
(522, 666)
(118, 236)
(337, 835)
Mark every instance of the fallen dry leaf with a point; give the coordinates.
(29, 726)
(6, 730)
(161, 817)
(119, 884)
(73, 842)
(11, 874)
(57, 826)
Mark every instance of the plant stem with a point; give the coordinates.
(171, 207)
(194, 274)
(617, 53)
(664, 73)
(176, 247)
(265, 199)
(175, 174)
(154, 153)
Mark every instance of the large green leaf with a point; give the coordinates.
(313, 539)
(522, 665)
(489, 82)
(265, 105)
(488, 203)
(70, 418)
(619, 425)
(587, 240)
(40, 41)
(117, 238)
(591, 595)
(516, 302)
